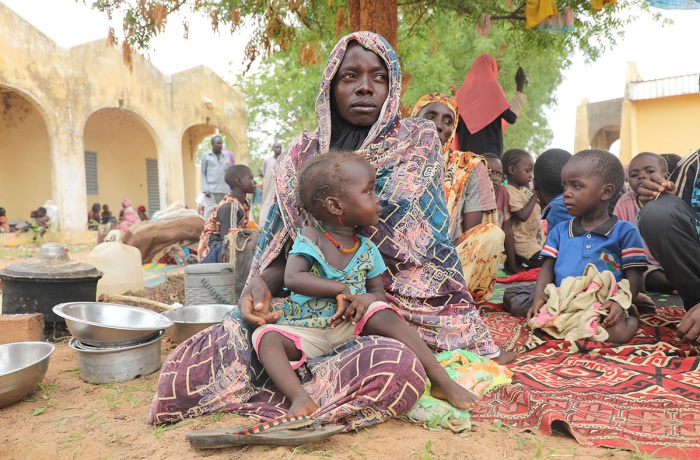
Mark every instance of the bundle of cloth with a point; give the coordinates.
(175, 231)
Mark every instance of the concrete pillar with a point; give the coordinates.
(171, 181)
(582, 139)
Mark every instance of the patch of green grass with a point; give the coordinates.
(426, 453)
(116, 438)
(309, 450)
(160, 430)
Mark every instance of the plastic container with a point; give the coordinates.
(121, 265)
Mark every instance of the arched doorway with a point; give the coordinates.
(605, 136)
(121, 160)
(25, 158)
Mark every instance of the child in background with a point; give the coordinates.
(592, 238)
(4, 223)
(501, 192)
(642, 166)
(142, 213)
(524, 209)
(94, 217)
(232, 212)
(548, 188)
(106, 222)
(335, 277)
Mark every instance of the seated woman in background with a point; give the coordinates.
(471, 202)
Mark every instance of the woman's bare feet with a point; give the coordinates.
(453, 393)
(303, 405)
(506, 357)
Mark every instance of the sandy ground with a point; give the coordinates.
(69, 418)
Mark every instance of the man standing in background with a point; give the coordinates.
(268, 183)
(213, 169)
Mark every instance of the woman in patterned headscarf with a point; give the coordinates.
(372, 378)
(470, 200)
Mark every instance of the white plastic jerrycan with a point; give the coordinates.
(121, 265)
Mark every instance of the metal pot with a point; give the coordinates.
(195, 318)
(37, 285)
(118, 364)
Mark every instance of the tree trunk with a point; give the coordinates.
(378, 16)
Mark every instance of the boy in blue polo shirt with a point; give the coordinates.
(591, 178)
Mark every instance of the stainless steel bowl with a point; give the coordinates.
(23, 366)
(117, 364)
(106, 325)
(194, 318)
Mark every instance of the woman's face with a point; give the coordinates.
(443, 118)
(360, 86)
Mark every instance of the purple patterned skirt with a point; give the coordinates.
(357, 384)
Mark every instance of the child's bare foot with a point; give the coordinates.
(453, 393)
(506, 357)
(303, 406)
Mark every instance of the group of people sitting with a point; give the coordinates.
(101, 219)
(383, 237)
(41, 220)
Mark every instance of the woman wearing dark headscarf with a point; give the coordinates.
(372, 378)
(471, 201)
(484, 110)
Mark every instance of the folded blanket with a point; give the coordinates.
(475, 373)
(573, 310)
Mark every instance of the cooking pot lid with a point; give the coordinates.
(52, 262)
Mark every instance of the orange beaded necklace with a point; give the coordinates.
(355, 246)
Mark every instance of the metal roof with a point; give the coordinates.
(664, 87)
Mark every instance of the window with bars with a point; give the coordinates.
(91, 173)
(152, 186)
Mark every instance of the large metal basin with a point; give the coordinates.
(23, 366)
(195, 318)
(108, 325)
(117, 364)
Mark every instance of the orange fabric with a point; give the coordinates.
(480, 98)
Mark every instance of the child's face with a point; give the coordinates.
(584, 190)
(247, 182)
(495, 171)
(443, 118)
(641, 168)
(521, 173)
(360, 203)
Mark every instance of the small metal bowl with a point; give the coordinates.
(194, 318)
(23, 366)
(107, 325)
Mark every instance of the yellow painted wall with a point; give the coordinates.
(122, 144)
(668, 125)
(68, 87)
(25, 167)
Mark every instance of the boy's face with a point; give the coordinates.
(584, 190)
(642, 167)
(245, 182)
(495, 171)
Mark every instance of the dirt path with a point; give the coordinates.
(67, 418)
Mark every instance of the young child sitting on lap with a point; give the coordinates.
(642, 166)
(335, 277)
(591, 179)
(524, 209)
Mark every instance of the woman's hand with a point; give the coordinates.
(254, 304)
(617, 313)
(650, 188)
(689, 327)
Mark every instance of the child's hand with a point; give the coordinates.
(616, 314)
(344, 299)
(536, 307)
(356, 310)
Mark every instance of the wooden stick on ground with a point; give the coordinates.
(134, 299)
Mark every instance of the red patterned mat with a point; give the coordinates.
(643, 396)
